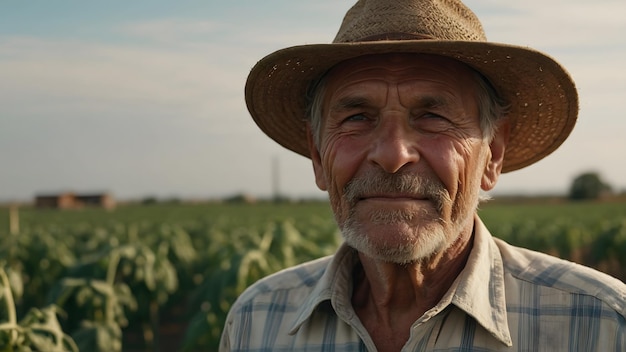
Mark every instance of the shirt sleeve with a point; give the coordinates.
(225, 345)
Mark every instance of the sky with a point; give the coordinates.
(144, 98)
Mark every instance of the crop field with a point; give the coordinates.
(162, 277)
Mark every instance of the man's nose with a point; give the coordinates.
(394, 146)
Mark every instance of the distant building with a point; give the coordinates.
(69, 200)
(61, 201)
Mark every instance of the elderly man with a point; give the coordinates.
(406, 117)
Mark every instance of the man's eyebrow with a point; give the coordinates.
(429, 101)
(350, 102)
(358, 101)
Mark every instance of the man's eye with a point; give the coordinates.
(432, 116)
(356, 117)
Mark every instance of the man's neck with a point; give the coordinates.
(389, 298)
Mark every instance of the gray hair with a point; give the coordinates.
(491, 106)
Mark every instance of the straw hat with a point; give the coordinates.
(543, 98)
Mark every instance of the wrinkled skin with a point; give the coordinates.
(403, 158)
(415, 118)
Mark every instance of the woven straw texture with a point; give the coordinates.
(542, 95)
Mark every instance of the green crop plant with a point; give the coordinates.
(38, 330)
(134, 282)
(123, 274)
(243, 259)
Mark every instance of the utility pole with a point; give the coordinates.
(14, 219)
(276, 179)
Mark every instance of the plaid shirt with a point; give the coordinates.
(505, 299)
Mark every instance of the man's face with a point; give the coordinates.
(402, 155)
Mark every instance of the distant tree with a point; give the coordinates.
(149, 200)
(588, 185)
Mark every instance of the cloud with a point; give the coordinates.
(57, 72)
(553, 24)
(170, 28)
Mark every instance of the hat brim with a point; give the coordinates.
(543, 98)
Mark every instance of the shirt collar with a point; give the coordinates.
(479, 288)
(334, 285)
(480, 298)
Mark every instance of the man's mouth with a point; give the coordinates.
(397, 197)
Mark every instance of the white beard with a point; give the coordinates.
(402, 236)
(414, 244)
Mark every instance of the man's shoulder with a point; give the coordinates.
(272, 305)
(296, 281)
(561, 275)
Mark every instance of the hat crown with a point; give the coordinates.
(409, 19)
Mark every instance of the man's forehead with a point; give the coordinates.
(398, 68)
(398, 71)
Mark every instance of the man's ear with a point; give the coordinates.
(493, 167)
(320, 179)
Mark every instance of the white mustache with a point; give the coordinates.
(377, 183)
